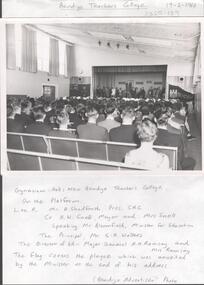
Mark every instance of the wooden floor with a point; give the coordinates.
(194, 147)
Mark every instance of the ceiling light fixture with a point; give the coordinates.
(99, 43)
(108, 44)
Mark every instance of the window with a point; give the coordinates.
(43, 52)
(62, 58)
(18, 44)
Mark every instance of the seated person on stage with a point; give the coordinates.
(145, 157)
(110, 123)
(63, 122)
(90, 130)
(13, 125)
(126, 132)
(38, 126)
(165, 138)
(25, 117)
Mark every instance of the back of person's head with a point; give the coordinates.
(91, 112)
(145, 110)
(169, 111)
(32, 101)
(62, 118)
(158, 113)
(111, 109)
(147, 131)
(128, 112)
(47, 106)
(69, 108)
(17, 108)
(26, 106)
(10, 111)
(176, 106)
(138, 116)
(39, 113)
(184, 109)
(163, 119)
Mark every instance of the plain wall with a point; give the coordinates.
(26, 83)
(84, 58)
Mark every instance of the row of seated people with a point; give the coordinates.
(130, 92)
(129, 125)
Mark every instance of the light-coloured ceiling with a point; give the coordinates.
(176, 41)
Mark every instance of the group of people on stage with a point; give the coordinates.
(129, 92)
(146, 122)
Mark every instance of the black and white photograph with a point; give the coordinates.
(117, 94)
(112, 95)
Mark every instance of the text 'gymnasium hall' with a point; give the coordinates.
(103, 96)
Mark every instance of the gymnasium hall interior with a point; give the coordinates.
(103, 96)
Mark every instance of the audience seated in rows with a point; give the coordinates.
(111, 119)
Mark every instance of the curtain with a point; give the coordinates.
(67, 60)
(131, 68)
(10, 46)
(54, 58)
(104, 80)
(29, 50)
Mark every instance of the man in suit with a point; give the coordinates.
(13, 125)
(25, 117)
(110, 123)
(180, 118)
(38, 126)
(90, 130)
(165, 138)
(127, 131)
(63, 130)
